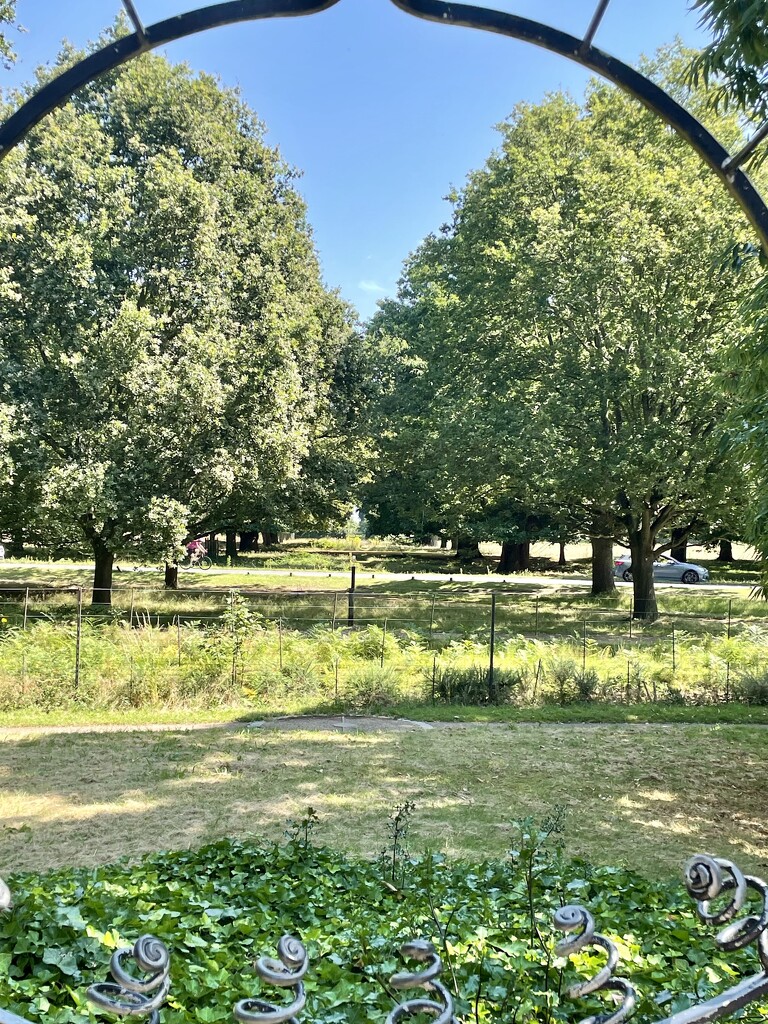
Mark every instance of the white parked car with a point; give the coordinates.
(665, 570)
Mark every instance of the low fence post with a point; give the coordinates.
(584, 646)
(631, 614)
(491, 687)
(335, 602)
(536, 619)
(178, 639)
(280, 640)
(351, 597)
(674, 660)
(730, 606)
(130, 617)
(431, 622)
(26, 608)
(78, 637)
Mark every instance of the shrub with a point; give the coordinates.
(752, 687)
(471, 684)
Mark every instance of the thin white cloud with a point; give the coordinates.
(371, 286)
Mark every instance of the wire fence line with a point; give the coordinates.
(488, 636)
(468, 612)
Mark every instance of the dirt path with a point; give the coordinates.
(313, 723)
(330, 723)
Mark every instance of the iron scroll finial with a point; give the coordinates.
(429, 979)
(706, 879)
(287, 972)
(571, 918)
(131, 996)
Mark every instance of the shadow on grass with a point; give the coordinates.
(639, 797)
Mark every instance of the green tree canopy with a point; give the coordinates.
(167, 348)
(563, 339)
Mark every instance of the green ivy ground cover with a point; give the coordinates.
(222, 906)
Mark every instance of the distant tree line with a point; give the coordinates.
(563, 359)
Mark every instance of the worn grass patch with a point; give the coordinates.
(644, 797)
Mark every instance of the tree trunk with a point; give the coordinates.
(171, 576)
(726, 552)
(17, 543)
(467, 549)
(213, 545)
(561, 562)
(270, 538)
(444, 543)
(603, 584)
(104, 561)
(679, 545)
(641, 548)
(515, 556)
(524, 555)
(248, 540)
(230, 549)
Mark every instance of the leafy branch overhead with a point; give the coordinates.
(735, 63)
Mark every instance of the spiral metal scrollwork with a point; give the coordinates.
(708, 877)
(429, 979)
(129, 995)
(577, 919)
(287, 972)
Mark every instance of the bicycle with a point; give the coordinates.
(190, 562)
(196, 562)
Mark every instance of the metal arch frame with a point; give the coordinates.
(725, 166)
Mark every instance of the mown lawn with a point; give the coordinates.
(644, 796)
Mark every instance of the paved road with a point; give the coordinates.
(565, 581)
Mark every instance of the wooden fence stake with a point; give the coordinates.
(78, 637)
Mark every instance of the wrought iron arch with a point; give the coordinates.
(727, 166)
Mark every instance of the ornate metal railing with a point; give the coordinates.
(706, 879)
(727, 166)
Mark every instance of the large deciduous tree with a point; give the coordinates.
(166, 344)
(564, 338)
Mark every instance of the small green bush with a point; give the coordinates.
(752, 687)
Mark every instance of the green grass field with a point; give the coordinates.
(645, 797)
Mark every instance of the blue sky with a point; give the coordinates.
(383, 113)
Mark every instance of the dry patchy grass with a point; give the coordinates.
(641, 796)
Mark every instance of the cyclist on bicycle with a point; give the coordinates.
(196, 551)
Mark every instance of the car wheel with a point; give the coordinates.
(689, 576)
(627, 576)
